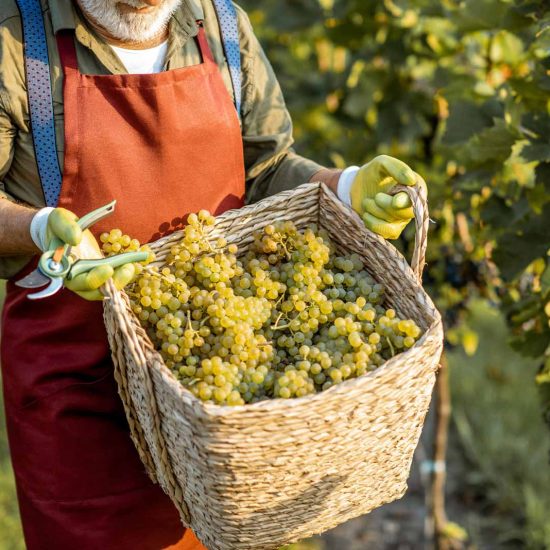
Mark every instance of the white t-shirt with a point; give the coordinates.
(146, 61)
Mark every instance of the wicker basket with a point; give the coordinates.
(263, 475)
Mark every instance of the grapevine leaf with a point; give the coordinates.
(536, 150)
(529, 9)
(538, 124)
(537, 127)
(497, 213)
(545, 279)
(542, 43)
(465, 120)
(493, 143)
(524, 242)
(478, 15)
(531, 343)
(516, 18)
(507, 48)
(528, 89)
(537, 196)
(542, 173)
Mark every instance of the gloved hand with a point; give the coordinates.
(61, 223)
(382, 212)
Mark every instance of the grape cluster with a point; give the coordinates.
(115, 242)
(288, 318)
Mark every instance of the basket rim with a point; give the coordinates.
(319, 186)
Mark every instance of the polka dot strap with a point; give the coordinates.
(227, 18)
(39, 92)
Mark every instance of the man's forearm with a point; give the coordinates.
(329, 176)
(15, 222)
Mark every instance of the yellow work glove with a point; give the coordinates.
(383, 213)
(61, 223)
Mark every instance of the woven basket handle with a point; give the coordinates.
(419, 198)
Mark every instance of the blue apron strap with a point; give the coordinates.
(39, 92)
(227, 18)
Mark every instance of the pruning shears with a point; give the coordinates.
(57, 264)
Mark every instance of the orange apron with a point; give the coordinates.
(163, 145)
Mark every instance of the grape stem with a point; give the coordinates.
(282, 327)
(189, 325)
(205, 238)
(392, 349)
(288, 254)
(154, 273)
(276, 325)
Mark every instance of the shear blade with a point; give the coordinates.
(55, 286)
(35, 279)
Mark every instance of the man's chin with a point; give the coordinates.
(129, 21)
(127, 9)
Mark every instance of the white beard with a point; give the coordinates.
(130, 27)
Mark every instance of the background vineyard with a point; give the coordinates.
(461, 91)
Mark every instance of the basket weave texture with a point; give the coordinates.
(263, 475)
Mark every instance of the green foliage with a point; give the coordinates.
(501, 432)
(461, 91)
(11, 537)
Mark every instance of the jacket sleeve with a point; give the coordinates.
(9, 265)
(7, 136)
(271, 163)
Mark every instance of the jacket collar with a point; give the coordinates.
(62, 14)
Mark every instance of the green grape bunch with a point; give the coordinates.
(115, 242)
(287, 318)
